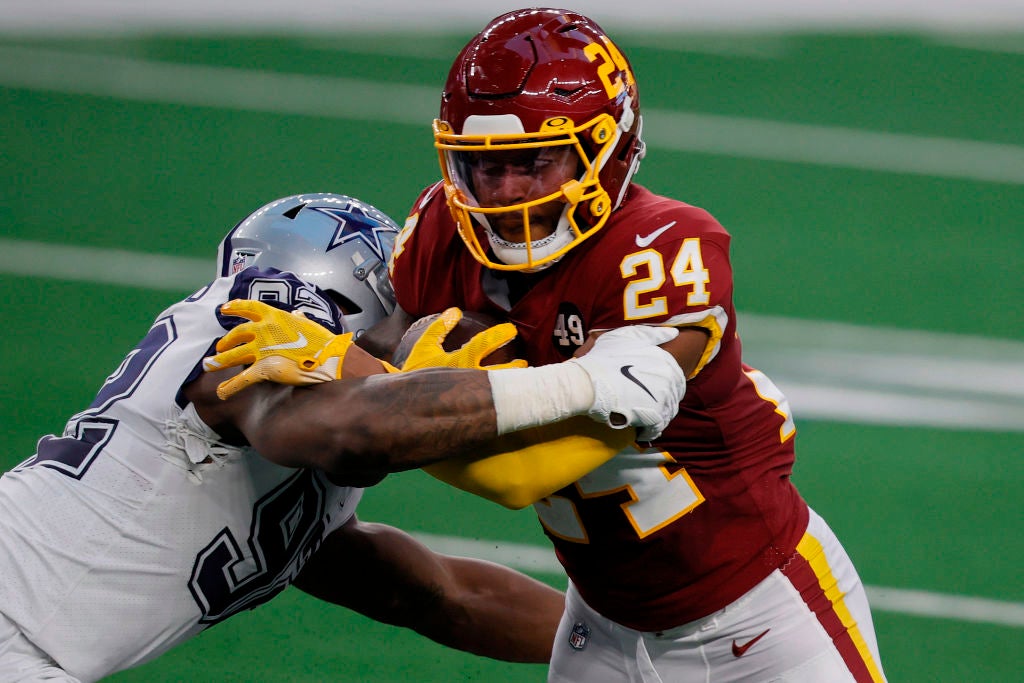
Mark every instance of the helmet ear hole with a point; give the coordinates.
(347, 306)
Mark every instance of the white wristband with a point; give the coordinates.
(530, 397)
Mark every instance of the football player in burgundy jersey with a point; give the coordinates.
(690, 557)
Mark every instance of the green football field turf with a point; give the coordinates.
(869, 179)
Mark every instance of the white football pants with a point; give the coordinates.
(808, 622)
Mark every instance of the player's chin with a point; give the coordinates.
(508, 229)
(514, 232)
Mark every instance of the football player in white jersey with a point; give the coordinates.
(164, 508)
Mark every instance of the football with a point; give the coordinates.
(471, 323)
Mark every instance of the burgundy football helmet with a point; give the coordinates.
(546, 83)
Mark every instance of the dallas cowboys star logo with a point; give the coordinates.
(355, 224)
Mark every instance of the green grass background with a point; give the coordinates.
(916, 508)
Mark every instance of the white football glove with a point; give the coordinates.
(636, 384)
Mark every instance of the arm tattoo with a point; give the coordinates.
(420, 418)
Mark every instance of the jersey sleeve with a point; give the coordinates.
(682, 278)
(701, 297)
(534, 463)
(413, 251)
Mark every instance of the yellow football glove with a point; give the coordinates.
(282, 347)
(428, 352)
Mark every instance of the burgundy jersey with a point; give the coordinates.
(665, 532)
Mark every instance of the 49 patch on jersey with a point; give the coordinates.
(569, 332)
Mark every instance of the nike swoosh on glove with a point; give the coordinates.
(635, 383)
(282, 347)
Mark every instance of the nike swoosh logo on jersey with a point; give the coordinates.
(648, 239)
(632, 378)
(740, 650)
(297, 344)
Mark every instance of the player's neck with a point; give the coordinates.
(507, 288)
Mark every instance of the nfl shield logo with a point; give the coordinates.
(239, 261)
(579, 635)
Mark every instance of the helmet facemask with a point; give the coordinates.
(491, 147)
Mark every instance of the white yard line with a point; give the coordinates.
(303, 95)
(905, 601)
(106, 266)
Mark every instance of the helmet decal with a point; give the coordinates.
(612, 62)
(354, 224)
(240, 260)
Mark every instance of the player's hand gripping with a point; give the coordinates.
(428, 351)
(281, 347)
(635, 383)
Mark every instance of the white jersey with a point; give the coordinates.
(137, 528)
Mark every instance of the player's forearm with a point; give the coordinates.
(494, 612)
(386, 423)
(408, 421)
(393, 422)
(517, 470)
(390, 423)
(472, 605)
